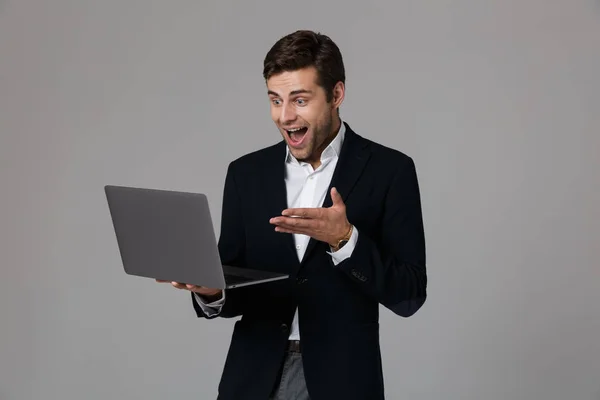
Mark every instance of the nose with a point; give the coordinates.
(288, 114)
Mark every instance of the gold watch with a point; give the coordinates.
(343, 240)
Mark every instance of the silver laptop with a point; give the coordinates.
(169, 235)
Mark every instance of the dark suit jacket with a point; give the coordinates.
(338, 305)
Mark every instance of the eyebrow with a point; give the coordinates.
(292, 93)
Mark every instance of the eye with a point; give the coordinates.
(301, 102)
(276, 101)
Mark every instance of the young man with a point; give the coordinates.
(340, 214)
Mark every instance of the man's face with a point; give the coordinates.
(300, 110)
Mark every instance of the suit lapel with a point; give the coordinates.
(353, 158)
(275, 198)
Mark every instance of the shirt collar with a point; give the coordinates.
(332, 150)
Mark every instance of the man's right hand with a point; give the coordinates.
(208, 293)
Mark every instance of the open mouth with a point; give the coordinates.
(297, 135)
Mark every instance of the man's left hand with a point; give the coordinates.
(327, 224)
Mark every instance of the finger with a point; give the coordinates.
(299, 228)
(161, 281)
(192, 287)
(287, 221)
(336, 197)
(178, 285)
(301, 213)
(297, 223)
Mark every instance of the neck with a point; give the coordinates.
(335, 129)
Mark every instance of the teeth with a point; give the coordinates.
(294, 130)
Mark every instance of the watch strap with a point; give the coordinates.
(344, 239)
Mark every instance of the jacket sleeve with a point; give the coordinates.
(232, 243)
(391, 267)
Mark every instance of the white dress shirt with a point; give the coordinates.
(306, 188)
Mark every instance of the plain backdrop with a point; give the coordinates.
(497, 101)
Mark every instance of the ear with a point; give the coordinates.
(339, 91)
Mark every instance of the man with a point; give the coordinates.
(340, 214)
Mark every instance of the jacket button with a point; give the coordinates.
(284, 328)
(301, 280)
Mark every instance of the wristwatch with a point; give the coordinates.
(342, 242)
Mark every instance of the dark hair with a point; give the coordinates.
(302, 49)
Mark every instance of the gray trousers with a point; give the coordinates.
(291, 385)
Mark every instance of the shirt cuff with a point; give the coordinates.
(210, 309)
(346, 251)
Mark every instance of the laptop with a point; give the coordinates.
(169, 235)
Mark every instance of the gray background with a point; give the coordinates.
(497, 101)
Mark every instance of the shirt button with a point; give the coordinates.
(298, 247)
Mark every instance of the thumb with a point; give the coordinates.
(336, 197)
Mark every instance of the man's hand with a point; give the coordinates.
(328, 225)
(208, 293)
